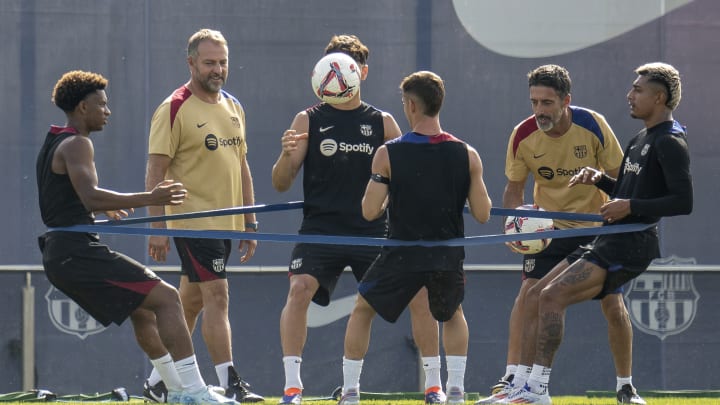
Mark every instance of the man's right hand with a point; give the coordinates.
(168, 192)
(158, 247)
(586, 175)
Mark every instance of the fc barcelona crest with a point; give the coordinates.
(366, 130)
(68, 317)
(662, 304)
(580, 151)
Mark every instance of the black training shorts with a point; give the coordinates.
(108, 285)
(326, 263)
(203, 259)
(389, 289)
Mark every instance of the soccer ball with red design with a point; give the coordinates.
(523, 224)
(336, 78)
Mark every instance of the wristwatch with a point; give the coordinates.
(251, 225)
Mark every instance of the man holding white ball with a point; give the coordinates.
(552, 145)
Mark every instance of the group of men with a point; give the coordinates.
(357, 194)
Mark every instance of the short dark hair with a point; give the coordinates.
(553, 76)
(74, 86)
(667, 76)
(429, 89)
(349, 45)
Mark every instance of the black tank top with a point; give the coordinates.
(429, 185)
(59, 203)
(341, 146)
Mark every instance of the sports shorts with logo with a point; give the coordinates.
(538, 265)
(106, 284)
(203, 259)
(624, 256)
(389, 288)
(326, 263)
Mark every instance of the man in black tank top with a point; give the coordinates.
(654, 182)
(109, 285)
(336, 144)
(425, 177)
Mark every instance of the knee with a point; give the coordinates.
(301, 289)
(613, 308)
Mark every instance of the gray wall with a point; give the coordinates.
(139, 45)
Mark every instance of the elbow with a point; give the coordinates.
(280, 187)
(368, 215)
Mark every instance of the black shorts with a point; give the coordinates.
(624, 256)
(203, 259)
(327, 262)
(107, 285)
(389, 289)
(538, 265)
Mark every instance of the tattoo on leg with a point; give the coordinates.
(576, 274)
(550, 336)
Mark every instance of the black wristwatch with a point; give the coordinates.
(251, 225)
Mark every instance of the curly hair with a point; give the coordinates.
(553, 76)
(666, 76)
(74, 86)
(350, 45)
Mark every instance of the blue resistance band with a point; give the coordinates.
(119, 227)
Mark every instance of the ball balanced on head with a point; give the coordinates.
(336, 78)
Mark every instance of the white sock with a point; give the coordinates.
(222, 373)
(431, 366)
(510, 369)
(521, 375)
(622, 381)
(164, 369)
(154, 375)
(456, 371)
(351, 374)
(189, 373)
(292, 372)
(539, 379)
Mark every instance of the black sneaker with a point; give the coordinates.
(501, 384)
(628, 395)
(239, 390)
(155, 393)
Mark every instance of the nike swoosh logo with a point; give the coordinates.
(318, 316)
(484, 23)
(323, 129)
(539, 156)
(201, 125)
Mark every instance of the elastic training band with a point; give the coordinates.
(354, 240)
(572, 216)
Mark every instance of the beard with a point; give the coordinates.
(545, 123)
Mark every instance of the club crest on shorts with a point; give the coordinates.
(662, 304)
(68, 317)
(528, 265)
(218, 265)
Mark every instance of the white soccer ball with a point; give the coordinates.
(521, 224)
(336, 78)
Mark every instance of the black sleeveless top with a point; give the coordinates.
(59, 203)
(429, 185)
(341, 147)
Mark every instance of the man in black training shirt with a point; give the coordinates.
(654, 182)
(335, 144)
(110, 286)
(423, 179)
